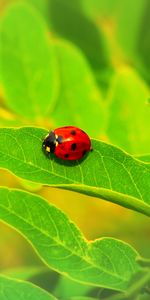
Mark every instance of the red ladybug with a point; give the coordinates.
(69, 143)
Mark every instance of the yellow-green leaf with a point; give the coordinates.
(107, 172)
(105, 262)
(79, 99)
(28, 64)
(129, 113)
(13, 289)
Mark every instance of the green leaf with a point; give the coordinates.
(105, 262)
(144, 262)
(7, 119)
(67, 288)
(97, 8)
(28, 63)
(41, 6)
(129, 113)
(23, 273)
(145, 158)
(79, 96)
(130, 12)
(107, 172)
(69, 21)
(134, 39)
(82, 298)
(11, 289)
(143, 44)
(138, 285)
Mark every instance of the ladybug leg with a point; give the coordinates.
(91, 148)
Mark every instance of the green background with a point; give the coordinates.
(84, 63)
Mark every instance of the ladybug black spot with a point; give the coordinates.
(73, 132)
(66, 155)
(73, 146)
(84, 152)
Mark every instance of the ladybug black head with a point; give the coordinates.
(49, 143)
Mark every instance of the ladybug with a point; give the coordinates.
(68, 143)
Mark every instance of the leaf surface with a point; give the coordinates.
(28, 63)
(69, 21)
(105, 262)
(144, 157)
(129, 36)
(79, 99)
(12, 289)
(107, 172)
(23, 273)
(129, 113)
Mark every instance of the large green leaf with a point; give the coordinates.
(11, 289)
(134, 39)
(79, 99)
(97, 9)
(69, 21)
(67, 288)
(41, 6)
(143, 47)
(130, 12)
(82, 298)
(24, 273)
(28, 63)
(144, 157)
(105, 262)
(107, 172)
(129, 113)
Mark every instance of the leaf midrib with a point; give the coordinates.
(38, 168)
(61, 244)
(63, 177)
(72, 183)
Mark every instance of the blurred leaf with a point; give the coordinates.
(11, 289)
(79, 100)
(129, 21)
(136, 287)
(28, 63)
(70, 22)
(143, 262)
(30, 186)
(67, 288)
(23, 273)
(8, 119)
(82, 298)
(97, 8)
(105, 262)
(69, 19)
(133, 32)
(42, 6)
(129, 114)
(41, 276)
(107, 172)
(144, 296)
(143, 45)
(144, 157)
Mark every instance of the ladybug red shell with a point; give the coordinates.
(69, 143)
